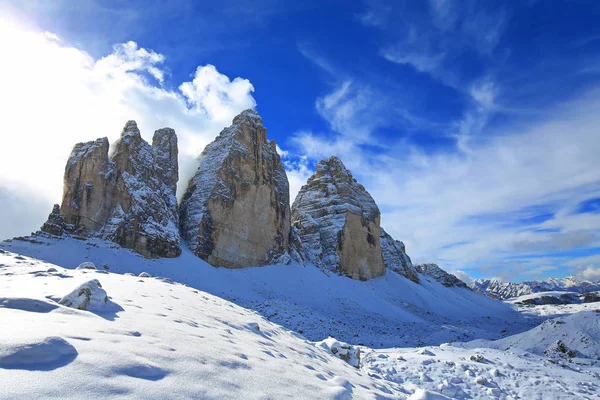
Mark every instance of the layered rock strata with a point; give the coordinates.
(338, 222)
(129, 197)
(395, 257)
(235, 212)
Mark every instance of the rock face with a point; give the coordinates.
(338, 222)
(55, 225)
(236, 211)
(395, 257)
(499, 289)
(128, 198)
(441, 276)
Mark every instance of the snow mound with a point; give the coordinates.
(578, 334)
(344, 351)
(87, 296)
(45, 354)
(25, 304)
(422, 394)
(87, 265)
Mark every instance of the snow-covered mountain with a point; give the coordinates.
(235, 294)
(568, 284)
(499, 289)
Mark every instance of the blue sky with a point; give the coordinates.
(474, 125)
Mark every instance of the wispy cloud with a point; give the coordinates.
(75, 97)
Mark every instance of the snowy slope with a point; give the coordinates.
(541, 298)
(483, 373)
(161, 339)
(155, 340)
(387, 311)
(579, 332)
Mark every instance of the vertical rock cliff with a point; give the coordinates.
(128, 198)
(395, 257)
(236, 211)
(338, 222)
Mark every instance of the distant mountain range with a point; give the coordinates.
(505, 290)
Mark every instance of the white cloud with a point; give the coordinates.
(463, 276)
(463, 209)
(298, 173)
(591, 273)
(55, 95)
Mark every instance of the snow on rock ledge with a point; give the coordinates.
(395, 257)
(236, 211)
(441, 276)
(88, 296)
(338, 222)
(344, 351)
(128, 198)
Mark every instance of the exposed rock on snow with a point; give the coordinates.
(128, 198)
(338, 222)
(55, 225)
(87, 296)
(555, 298)
(344, 351)
(395, 257)
(86, 265)
(440, 275)
(235, 212)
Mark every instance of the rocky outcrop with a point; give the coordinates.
(498, 289)
(55, 225)
(236, 211)
(128, 198)
(441, 276)
(338, 222)
(395, 257)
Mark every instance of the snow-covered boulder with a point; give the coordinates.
(87, 265)
(338, 222)
(344, 351)
(129, 197)
(236, 212)
(88, 296)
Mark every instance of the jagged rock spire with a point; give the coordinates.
(236, 211)
(128, 198)
(338, 222)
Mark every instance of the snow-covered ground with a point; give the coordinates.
(383, 312)
(157, 337)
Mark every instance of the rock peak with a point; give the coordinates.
(248, 115)
(128, 198)
(338, 222)
(332, 165)
(236, 209)
(130, 128)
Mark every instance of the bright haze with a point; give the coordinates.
(474, 125)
